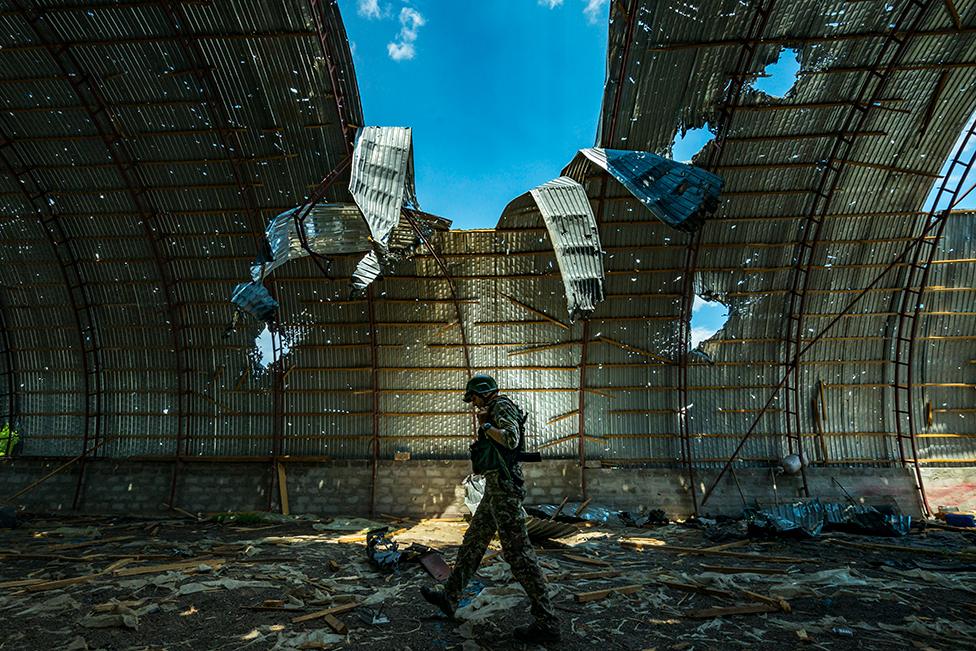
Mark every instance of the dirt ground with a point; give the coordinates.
(125, 583)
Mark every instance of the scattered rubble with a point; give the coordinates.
(308, 583)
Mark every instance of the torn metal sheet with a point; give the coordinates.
(254, 299)
(568, 217)
(678, 194)
(381, 180)
(367, 270)
(330, 229)
(575, 238)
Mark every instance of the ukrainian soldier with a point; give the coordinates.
(495, 454)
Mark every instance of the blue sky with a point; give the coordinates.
(500, 94)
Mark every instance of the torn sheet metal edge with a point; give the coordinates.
(379, 180)
(568, 218)
(680, 195)
(572, 227)
(255, 299)
(330, 229)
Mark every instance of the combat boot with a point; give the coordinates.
(537, 633)
(440, 599)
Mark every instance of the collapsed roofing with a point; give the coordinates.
(142, 175)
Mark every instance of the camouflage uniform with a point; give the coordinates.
(501, 510)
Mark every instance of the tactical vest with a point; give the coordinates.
(487, 454)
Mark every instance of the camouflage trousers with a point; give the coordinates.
(501, 510)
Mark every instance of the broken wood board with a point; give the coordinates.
(283, 488)
(587, 560)
(644, 544)
(319, 614)
(710, 613)
(724, 569)
(596, 595)
(335, 624)
(183, 566)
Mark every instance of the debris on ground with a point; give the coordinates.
(89, 582)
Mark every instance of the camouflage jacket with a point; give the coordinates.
(505, 415)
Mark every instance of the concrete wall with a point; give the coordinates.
(433, 488)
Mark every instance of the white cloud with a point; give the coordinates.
(410, 23)
(551, 4)
(593, 9)
(699, 335)
(369, 8)
(401, 51)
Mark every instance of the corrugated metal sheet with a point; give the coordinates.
(565, 210)
(220, 156)
(679, 195)
(380, 180)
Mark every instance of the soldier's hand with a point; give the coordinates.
(482, 417)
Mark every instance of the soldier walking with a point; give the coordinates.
(495, 454)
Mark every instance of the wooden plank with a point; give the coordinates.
(63, 583)
(88, 543)
(582, 507)
(724, 569)
(283, 488)
(560, 509)
(596, 595)
(20, 583)
(781, 604)
(711, 613)
(182, 566)
(334, 610)
(586, 560)
(730, 545)
(336, 625)
(645, 543)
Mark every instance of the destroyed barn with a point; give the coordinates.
(174, 174)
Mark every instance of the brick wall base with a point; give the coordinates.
(433, 488)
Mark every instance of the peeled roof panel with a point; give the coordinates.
(572, 229)
(380, 177)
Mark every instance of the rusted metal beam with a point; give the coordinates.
(11, 376)
(106, 123)
(870, 92)
(793, 41)
(76, 287)
(232, 145)
(950, 6)
(745, 63)
(160, 39)
(374, 399)
(911, 303)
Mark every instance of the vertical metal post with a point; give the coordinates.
(79, 297)
(871, 90)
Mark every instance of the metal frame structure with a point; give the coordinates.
(870, 95)
(10, 375)
(910, 304)
(144, 136)
(77, 290)
(737, 83)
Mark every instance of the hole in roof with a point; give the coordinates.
(690, 142)
(264, 348)
(708, 316)
(779, 77)
(967, 196)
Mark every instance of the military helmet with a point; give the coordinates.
(480, 384)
